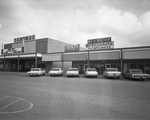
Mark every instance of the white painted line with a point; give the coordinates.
(9, 104)
(18, 99)
(30, 106)
(4, 98)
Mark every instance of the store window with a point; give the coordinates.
(133, 66)
(107, 65)
(14, 66)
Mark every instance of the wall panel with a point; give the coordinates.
(113, 55)
(75, 57)
(41, 45)
(136, 54)
(17, 45)
(51, 57)
(30, 47)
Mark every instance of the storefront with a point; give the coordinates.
(26, 53)
(48, 53)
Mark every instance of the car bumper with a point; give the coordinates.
(91, 75)
(140, 78)
(34, 74)
(71, 74)
(113, 76)
(55, 74)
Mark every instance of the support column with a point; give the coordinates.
(4, 64)
(121, 60)
(62, 60)
(18, 62)
(35, 60)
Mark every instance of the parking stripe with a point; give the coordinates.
(10, 104)
(30, 105)
(4, 98)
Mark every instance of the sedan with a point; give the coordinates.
(72, 72)
(135, 74)
(112, 73)
(55, 72)
(35, 72)
(91, 72)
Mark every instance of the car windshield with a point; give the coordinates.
(35, 69)
(55, 69)
(91, 69)
(136, 71)
(112, 69)
(73, 69)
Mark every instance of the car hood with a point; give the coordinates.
(141, 74)
(72, 72)
(54, 71)
(91, 72)
(33, 72)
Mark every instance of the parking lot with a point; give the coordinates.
(72, 98)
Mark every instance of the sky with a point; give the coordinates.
(127, 22)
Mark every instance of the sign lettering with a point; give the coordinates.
(25, 38)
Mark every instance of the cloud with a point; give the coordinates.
(77, 25)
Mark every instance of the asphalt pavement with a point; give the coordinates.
(73, 98)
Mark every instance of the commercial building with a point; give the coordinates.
(26, 52)
(48, 53)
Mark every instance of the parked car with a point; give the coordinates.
(135, 74)
(55, 72)
(36, 72)
(91, 72)
(72, 72)
(112, 73)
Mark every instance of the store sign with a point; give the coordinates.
(98, 46)
(72, 48)
(25, 38)
(99, 40)
(12, 51)
(100, 43)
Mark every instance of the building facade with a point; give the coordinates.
(48, 53)
(21, 56)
